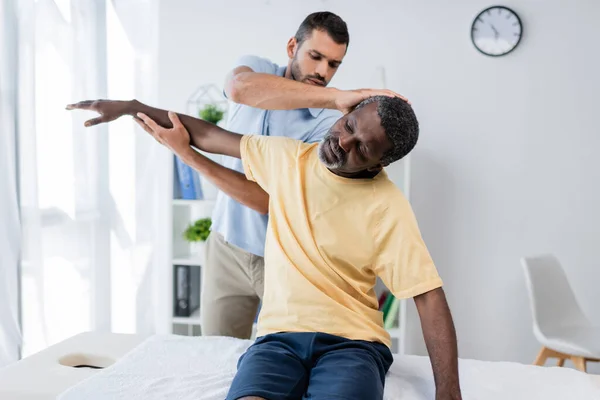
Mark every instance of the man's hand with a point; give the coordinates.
(346, 100)
(177, 138)
(109, 110)
(231, 182)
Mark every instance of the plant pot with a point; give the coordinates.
(197, 249)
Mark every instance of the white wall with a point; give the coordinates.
(506, 164)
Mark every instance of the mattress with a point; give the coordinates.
(46, 374)
(178, 367)
(186, 368)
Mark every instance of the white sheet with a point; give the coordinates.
(178, 367)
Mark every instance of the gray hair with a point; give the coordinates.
(399, 123)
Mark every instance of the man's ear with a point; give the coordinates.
(292, 47)
(376, 168)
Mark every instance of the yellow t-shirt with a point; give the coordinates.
(328, 239)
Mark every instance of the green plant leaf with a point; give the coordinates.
(211, 113)
(198, 231)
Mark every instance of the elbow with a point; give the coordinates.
(263, 207)
(262, 210)
(236, 88)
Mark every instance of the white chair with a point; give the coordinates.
(559, 324)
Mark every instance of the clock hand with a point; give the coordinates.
(496, 33)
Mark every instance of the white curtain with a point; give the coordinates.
(10, 338)
(89, 234)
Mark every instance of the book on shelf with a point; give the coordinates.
(186, 290)
(389, 305)
(386, 304)
(188, 181)
(390, 319)
(382, 298)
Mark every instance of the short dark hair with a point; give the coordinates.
(325, 21)
(400, 124)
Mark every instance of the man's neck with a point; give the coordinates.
(364, 174)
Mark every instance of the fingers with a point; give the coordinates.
(82, 105)
(388, 93)
(175, 120)
(400, 96)
(149, 121)
(391, 93)
(93, 121)
(143, 125)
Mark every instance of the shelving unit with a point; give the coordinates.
(193, 319)
(187, 260)
(183, 202)
(185, 212)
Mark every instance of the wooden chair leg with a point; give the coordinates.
(542, 356)
(560, 362)
(579, 363)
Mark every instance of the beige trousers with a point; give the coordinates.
(232, 287)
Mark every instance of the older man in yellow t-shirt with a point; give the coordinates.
(336, 223)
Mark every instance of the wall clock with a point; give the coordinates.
(496, 31)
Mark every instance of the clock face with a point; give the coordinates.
(496, 31)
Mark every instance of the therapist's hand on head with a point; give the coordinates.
(346, 100)
(176, 138)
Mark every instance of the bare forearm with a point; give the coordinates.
(273, 92)
(440, 338)
(203, 135)
(231, 182)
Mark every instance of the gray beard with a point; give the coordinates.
(323, 159)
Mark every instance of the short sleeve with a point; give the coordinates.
(257, 64)
(402, 260)
(265, 157)
(329, 118)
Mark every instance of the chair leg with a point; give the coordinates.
(579, 363)
(542, 356)
(560, 362)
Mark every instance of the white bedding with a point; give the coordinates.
(179, 367)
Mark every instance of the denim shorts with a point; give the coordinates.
(318, 366)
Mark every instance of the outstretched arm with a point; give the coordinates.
(202, 135)
(244, 86)
(440, 338)
(231, 182)
(272, 92)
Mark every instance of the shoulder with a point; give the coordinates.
(258, 64)
(393, 204)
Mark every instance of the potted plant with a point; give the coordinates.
(211, 113)
(196, 234)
